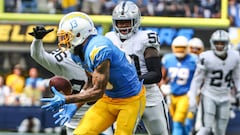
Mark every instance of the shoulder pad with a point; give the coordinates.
(151, 39)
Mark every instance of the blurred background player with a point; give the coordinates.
(30, 125)
(32, 84)
(143, 48)
(178, 68)
(5, 92)
(60, 63)
(16, 82)
(195, 46)
(217, 69)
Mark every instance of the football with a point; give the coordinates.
(62, 84)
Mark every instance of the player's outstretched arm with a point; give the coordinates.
(96, 89)
(41, 56)
(39, 32)
(99, 81)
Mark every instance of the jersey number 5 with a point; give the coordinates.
(153, 38)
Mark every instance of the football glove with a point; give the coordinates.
(192, 104)
(166, 89)
(55, 103)
(39, 32)
(65, 115)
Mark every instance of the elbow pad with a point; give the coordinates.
(154, 73)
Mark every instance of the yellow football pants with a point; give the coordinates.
(125, 111)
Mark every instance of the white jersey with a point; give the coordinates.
(135, 47)
(217, 75)
(60, 63)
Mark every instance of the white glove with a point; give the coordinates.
(192, 104)
(166, 89)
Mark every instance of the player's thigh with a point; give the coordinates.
(209, 111)
(95, 120)
(223, 110)
(155, 119)
(208, 105)
(172, 105)
(181, 109)
(129, 115)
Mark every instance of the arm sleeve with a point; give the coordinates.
(154, 74)
(197, 80)
(44, 58)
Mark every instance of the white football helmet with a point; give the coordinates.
(127, 11)
(219, 42)
(180, 46)
(74, 29)
(196, 46)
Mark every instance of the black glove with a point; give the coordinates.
(39, 32)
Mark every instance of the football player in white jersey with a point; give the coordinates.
(143, 48)
(60, 63)
(218, 69)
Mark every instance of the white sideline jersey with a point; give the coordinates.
(60, 63)
(218, 75)
(135, 47)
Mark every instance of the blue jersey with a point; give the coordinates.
(123, 80)
(180, 73)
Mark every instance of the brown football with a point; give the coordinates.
(61, 84)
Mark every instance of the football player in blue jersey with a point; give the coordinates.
(177, 70)
(112, 81)
(60, 63)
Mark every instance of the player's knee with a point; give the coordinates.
(190, 115)
(180, 117)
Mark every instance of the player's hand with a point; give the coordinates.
(55, 103)
(66, 114)
(192, 104)
(166, 89)
(39, 32)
